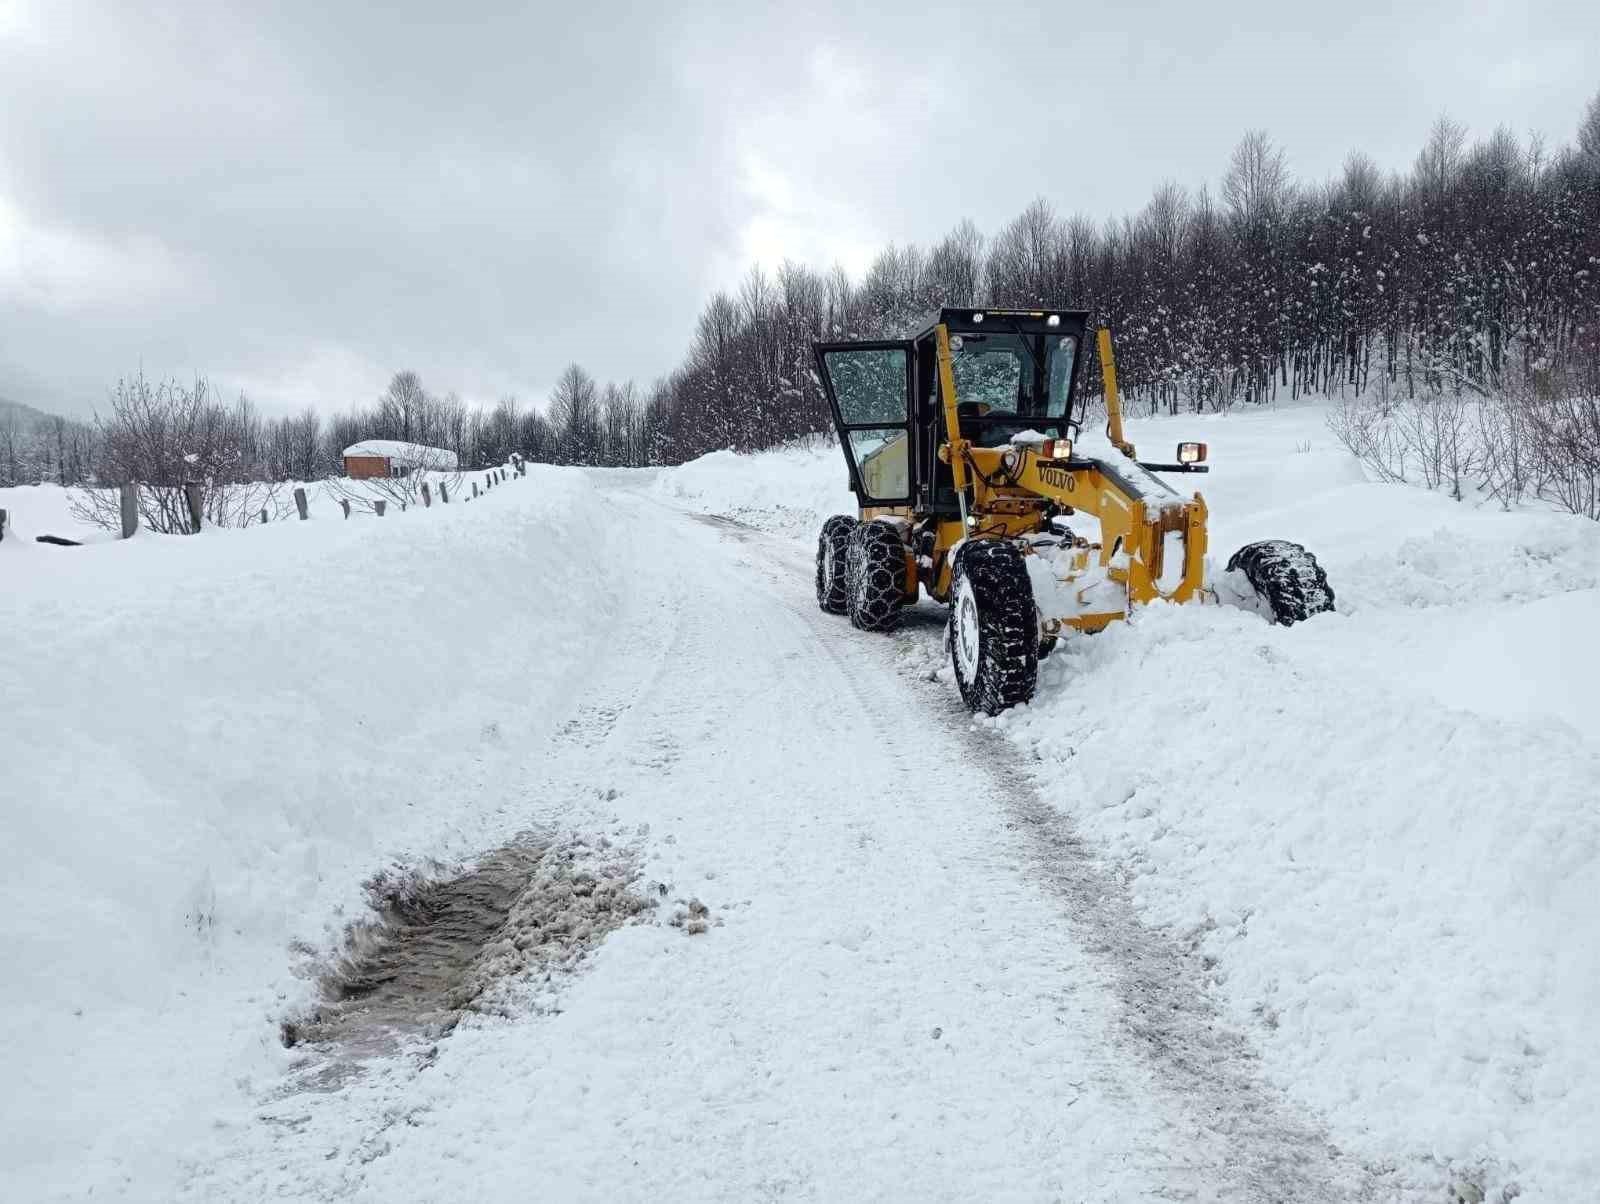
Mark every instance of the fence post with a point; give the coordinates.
(444, 493)
(300, 502)
(191, 494)
(2, 526)
(427, 498)
(474, 489)
(130, 510)
(263, 516)
(379, 507)
(344, 504)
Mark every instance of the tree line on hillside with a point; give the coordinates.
(1480, 265)
(35, 446)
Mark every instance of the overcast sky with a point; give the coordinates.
(300, 198)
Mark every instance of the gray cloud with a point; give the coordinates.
(299, 198)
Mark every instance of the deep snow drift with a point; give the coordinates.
(1380, 825)
(209, 743)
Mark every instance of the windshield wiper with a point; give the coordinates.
(1041, 386)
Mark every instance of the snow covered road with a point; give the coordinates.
(916, 983)
(893, 1002)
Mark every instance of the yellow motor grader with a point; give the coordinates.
(964, 454)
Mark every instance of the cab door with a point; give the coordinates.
(869, 391)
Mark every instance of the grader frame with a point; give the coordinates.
(975, 491)
(1013, 490)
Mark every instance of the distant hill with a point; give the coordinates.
(28, 415)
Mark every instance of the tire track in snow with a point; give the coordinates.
(356, 1091)
(1261, 1149)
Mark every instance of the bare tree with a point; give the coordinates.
(1589, 131)
(955, 266)
(1257, 180)
(575, 411)
(165, 436)
(11, 446)
(1440, 159)
(1361, 182)
(400, 408)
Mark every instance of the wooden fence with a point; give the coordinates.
(194, 502)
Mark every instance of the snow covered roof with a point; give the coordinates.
(415, 454)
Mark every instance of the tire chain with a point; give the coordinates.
(1008, 621)
(1287, 577)
(876, 578)
(833, 549)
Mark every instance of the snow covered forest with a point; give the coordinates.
(1473, 277)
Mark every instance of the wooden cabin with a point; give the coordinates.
(394, 458)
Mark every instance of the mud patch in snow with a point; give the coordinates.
(440, 947)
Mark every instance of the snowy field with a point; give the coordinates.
(1229, 912)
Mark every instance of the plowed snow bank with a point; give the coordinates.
(209, 743)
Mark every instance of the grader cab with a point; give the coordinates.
(965, 454)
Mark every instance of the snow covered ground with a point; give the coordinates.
(209, 743)
(1230, 912)
(1380, 827)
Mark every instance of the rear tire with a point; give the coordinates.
(833, 549)
(994, 627)
(1286, 578)
(876, 580)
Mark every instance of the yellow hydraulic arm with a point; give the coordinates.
(955, 446)
(1108, 372)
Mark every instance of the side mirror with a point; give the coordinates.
(1191, 453)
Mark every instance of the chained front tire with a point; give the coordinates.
(877, 576)
(833, 549)
(994, 626)
(1286, 579)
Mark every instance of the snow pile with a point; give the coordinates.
(209, 743)
(789, 492)
(45, 509)
(1379, 825)
(1398, 894)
